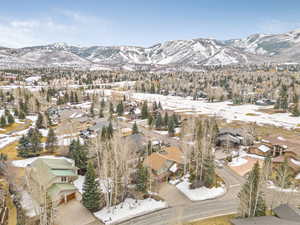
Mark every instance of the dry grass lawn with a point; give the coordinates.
(251, 114)
(11, 151)
(12, 211)
(10, 128)
(220, 220)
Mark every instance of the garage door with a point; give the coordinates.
(71, 196)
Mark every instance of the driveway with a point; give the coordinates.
(172, 195)
(74, 213)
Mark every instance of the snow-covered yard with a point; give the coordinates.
(199, 194)
(128, 209)
(271, 185)
(104, 185)
(238, 161)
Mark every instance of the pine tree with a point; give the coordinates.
(101, 115)
(209, 177)
(2, 121)
(171, 130)
(10, 119)
(175, 119)
(142, 178)
(51, 142)
(30, 144)
(166, 119)
(40, 121)
(150, 120)
(144, 110)
(22, 115)
(92, 111)
(109, 131)
(158, 121)
(16, 112)
(78, 153)
(135, 128)
(103, 133)
(111, 108)
(296, 111)
(252, 201)
(120, 109)
(91, 193)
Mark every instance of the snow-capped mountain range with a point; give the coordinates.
(170, 55)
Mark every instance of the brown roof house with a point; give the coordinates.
(165, 162)
(52, 177)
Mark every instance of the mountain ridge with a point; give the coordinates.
(184, 54)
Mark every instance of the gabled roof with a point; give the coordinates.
(55, 189)
(55, 163)
(166, 158)
(44, 170)
(288, 213)
(262, 220)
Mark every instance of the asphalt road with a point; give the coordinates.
(225, 204)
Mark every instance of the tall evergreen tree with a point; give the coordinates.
(3, 121)
(120, 109)
(51, 142)
(144, 110)
(150, 120)
(92, 110)
(166, 119)
(158, 121)
(142, 178)
(91, 196)
(40, 121)
(10, 119)
(30, 144)
(101, 115)
(135, 129)
(109, 130)
(111, 108)
(171, 129)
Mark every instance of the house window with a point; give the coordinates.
(64, 179)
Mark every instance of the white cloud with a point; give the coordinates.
(63, 26)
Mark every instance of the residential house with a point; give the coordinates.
(165, 162)
(234, 137)
(284, 215)
(53, 177)
(268, 148)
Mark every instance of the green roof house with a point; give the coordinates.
(52, 177)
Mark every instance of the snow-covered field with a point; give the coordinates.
(221, 109)
(199, 194)
(24, 162)
(128, 209)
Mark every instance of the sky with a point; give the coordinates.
(140, 22)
